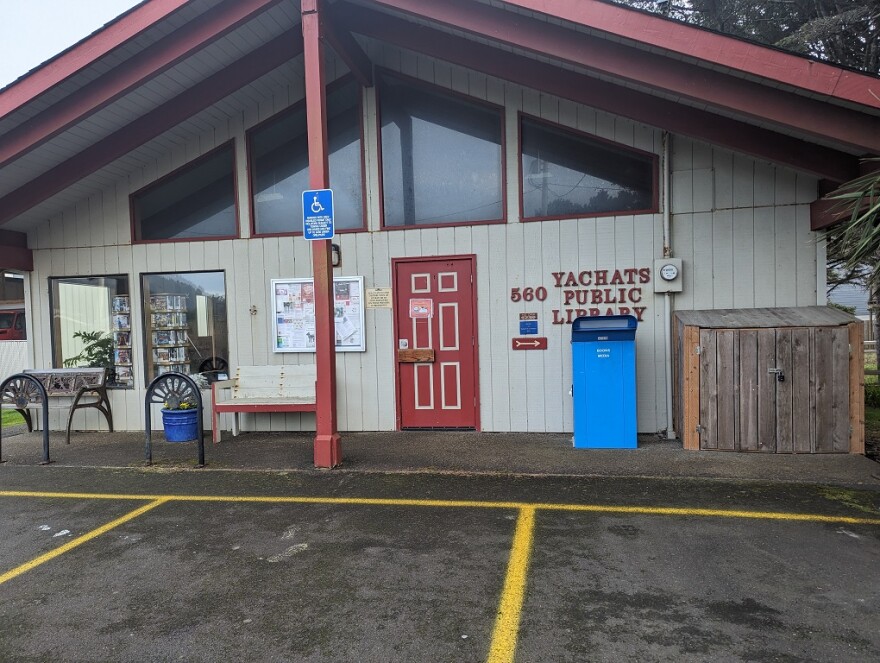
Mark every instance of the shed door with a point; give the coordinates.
(434, 310)
(744, 406)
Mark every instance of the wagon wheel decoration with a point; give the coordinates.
(173, 390)
(20, 391)
(214, 365)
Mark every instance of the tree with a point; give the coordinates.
(845, 32)
(854, 244)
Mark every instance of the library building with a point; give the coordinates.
(499, 169)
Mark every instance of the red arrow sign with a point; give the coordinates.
(529, 343)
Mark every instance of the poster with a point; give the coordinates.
(293, 306)
(421, 308)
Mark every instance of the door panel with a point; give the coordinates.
(439, 393)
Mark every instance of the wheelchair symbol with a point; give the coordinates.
(316, 206)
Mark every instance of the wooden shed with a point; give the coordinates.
(777, 380)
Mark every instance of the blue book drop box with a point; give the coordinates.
(603, 351)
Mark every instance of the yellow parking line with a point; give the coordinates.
(713, 513)
(465, 504)
(506, 630)
(80, 496)
(70, 545)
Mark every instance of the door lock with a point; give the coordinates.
(780, 374)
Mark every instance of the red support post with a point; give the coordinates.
(328, 447)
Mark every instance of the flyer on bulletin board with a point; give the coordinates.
(293, 328)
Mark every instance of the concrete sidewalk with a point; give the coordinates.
(445, 452)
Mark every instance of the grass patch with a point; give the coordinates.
(859, 500)
(871, 365)
(11, 418)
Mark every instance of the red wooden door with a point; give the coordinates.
(434, 309)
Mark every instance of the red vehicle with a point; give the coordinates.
(12, 327)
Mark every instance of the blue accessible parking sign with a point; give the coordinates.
(318, 214)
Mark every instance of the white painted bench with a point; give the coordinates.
(70, 389)
(263, 389)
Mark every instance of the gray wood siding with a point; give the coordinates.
(741, 226)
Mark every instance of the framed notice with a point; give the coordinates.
(293, 319)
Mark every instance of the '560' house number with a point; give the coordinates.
(528, 294)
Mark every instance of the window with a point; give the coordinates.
(566, 174)
(194, 202)
(280, 165)
(441, 157)
(11, 287)
(185, 324)
(91, 325)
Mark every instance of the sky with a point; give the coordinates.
(33, 31)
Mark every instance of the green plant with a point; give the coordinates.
(872, 395)
(176, 404)
(96, 353)
(843, 307)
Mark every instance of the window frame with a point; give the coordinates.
(230, 144)
(277, 117)
(655, 172)
(55, 330)
(147, 329)
(434, 87)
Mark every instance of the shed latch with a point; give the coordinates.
(778, 372)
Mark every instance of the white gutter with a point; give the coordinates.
(667, 301)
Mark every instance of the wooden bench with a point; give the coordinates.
(79, 387)
(263, 389)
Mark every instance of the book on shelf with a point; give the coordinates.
(121, 304)
(123, 374)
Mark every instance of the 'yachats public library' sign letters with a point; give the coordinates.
(592, 292)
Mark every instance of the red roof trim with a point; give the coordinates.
(14, 252)
(84, 53)
(723, 50)
(703, 86)
(135, 71)
(639, 106)
(209, 91)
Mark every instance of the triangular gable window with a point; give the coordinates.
(566, 174)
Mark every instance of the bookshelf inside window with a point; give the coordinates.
(121, 322)
(168, 334)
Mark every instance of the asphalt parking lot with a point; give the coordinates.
(164, 565)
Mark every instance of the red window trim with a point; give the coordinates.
(298, 105)
(174, 173)
(655, 167)
(417, 82)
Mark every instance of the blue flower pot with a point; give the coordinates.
(181, 425)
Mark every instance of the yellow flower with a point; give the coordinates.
(182, 405)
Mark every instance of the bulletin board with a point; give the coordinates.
(293, 305)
